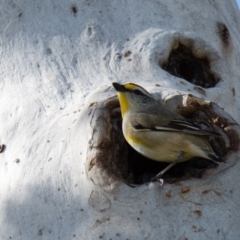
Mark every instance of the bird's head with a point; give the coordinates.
(132, 97)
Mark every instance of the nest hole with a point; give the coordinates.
(184, 64)
(111, 160)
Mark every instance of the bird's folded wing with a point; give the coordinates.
(146, 122)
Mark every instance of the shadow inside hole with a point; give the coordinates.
(137, 169)
(183, 64)
(142, 169)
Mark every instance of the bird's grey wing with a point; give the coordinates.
(146, 122)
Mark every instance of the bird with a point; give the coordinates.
(159, 133)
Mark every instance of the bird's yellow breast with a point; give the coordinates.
(134, 141)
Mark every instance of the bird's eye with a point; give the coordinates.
(139, 126)
(138, 92)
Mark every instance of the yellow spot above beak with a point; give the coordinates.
(130, 86)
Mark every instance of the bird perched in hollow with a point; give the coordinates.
(159, 133)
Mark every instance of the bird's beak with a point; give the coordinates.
(119, 87)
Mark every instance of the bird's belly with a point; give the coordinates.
(163, 147)
(158, 154)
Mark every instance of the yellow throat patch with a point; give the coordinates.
(123, 103)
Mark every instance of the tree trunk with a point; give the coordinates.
(64, 162)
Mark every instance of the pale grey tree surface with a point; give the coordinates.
(58, 60)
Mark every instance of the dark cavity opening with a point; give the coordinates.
(224, 34)
(74, 10)
(183, 64)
